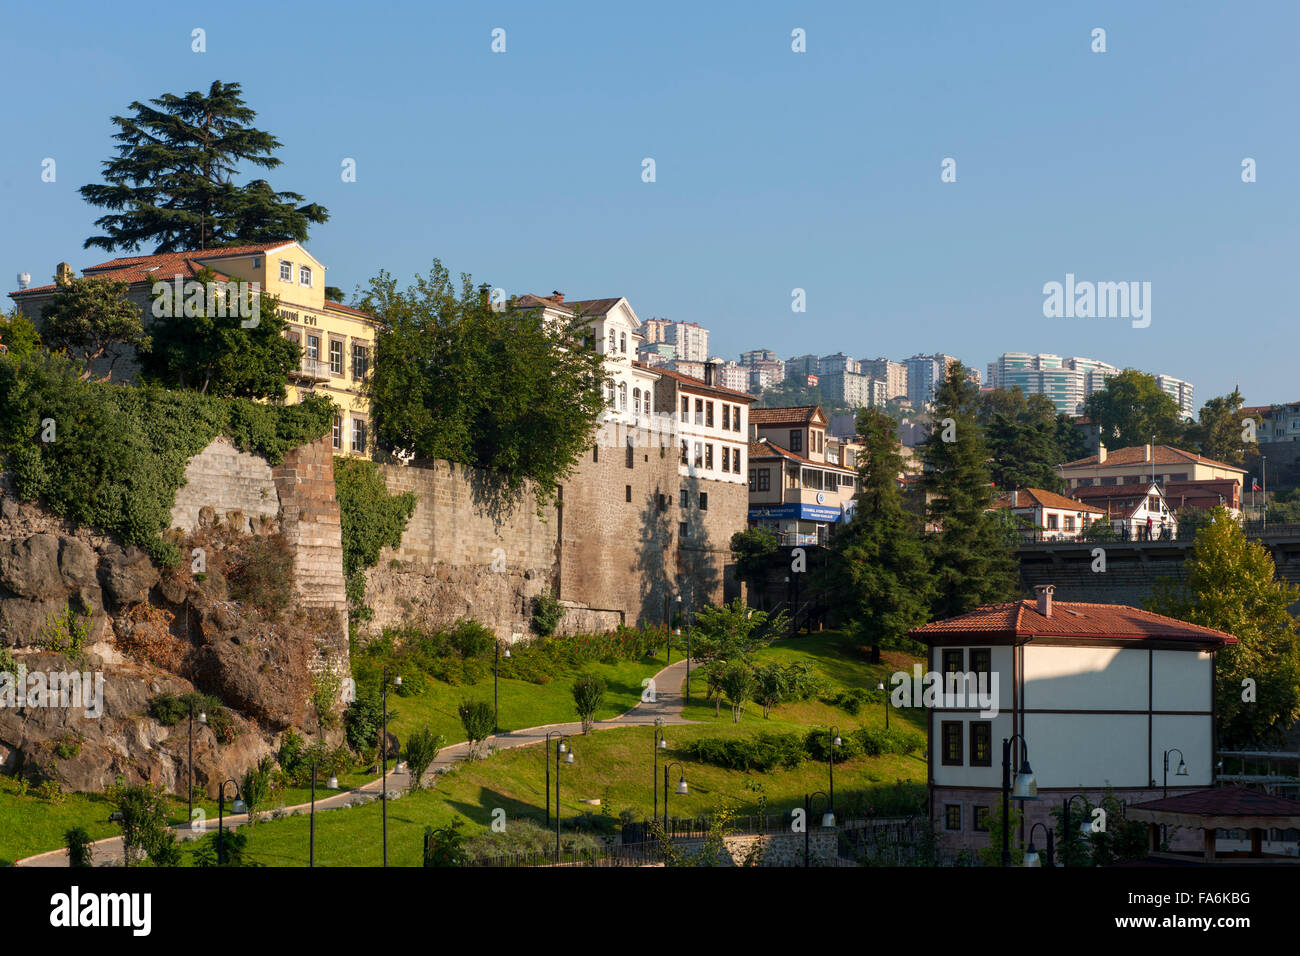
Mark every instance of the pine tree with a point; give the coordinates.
(971, 550)
(1231, 585)
(171, 185)
(878, 569)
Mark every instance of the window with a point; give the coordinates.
(683, 531)
(622, 342)
(636, 401)
(952, 816)
(1108, 481)
(1052, 523)
(609, 394)
(952, 743)
(360, 361)
(304, 276)
(358, 434)
(686, 409)
(708, 456)
(610, 349)
(645, 402)
(313, 347)
(336, 438)
(686, 452)
(981, 660)
(336, 357)
(704, 501)
(751, 479)
(1069, 522)
(286, 270)
(629, 492)
(686, 501)
(622, 396)
(726, 458)
(735, 419)
(764, 479)
(699, 411)
(708, 414)
(981, 743)
(699, 454)
(595, 453)
(631, 451)
(982, 819)
(952, 659)
(726, 417)
(796, 440)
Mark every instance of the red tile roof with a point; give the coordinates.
(577, 307)
(1224, 801)
(1137, 455)
(162, 267)
(340, 307)
(1070, 619)
(1028, 497)
(769, 449)
(694, 382)
(797, 414)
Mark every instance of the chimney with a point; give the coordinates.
(63, 272)
(708, 373)
(1044, 594)
(1015, 498)
(1101, 453)
(558, 296)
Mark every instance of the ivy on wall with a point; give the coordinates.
(112, 457)
(371, 519)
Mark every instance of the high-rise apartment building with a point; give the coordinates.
(690, 339)
(1069, 381)
(801, 367)
(1180, 392)
(839, 362)
(924, 374)
(893, 374)
(753, 357)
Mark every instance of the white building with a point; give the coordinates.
(893, 374)
(1093, 695)
(1181, 392)
(1047, 516)
(712, 426)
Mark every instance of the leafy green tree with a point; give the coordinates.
(372, 519)
(212, 353)
(754, 550)
(771, 686)
(972, 552)
(421, 750)
(1132, 408)
(256, 786)
(1218, 433)
(991, 854)
(18, 336)
(81, 849)
(879, 572)
(732, 631)
(142, 817)
(479, 721)
(736, 678)
(1284, 507)
(588, 695)
(92, 319)
(501, 391)
(363, 721)
(1232, 585)
(1023, 438)
(171, 185)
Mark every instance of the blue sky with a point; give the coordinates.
(774, 170)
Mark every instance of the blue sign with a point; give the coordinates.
(795, 512)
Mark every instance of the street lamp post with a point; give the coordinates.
(828, 820)
(203, 719)
(682, 789)
(568, 758)
(546, 762)
(880, 686)
(221, 817)
(1180, 772)
(1026, 788)
(1031, 855)
(496, 673)
(383, 750)
(660, 744)
(311, 851)
(832, 741)
(1085, 828)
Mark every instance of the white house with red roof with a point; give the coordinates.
(1047, 516)
(1092, 695)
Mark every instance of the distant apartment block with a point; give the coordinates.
(1066, 381)
(924, 375)
(690, 339)
(731, 375)
(1180, 392)
(754, 357)
(802, 366)
(853, 390)
(766, 374)
(686, 367)
(893, 374)
(655, 354)
(838, 363)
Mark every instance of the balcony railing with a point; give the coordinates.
(313, 370)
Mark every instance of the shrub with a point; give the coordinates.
(262, 574)
(445, 845)
(876, 741)
(81, 849)
(363, 721)
(817, 743)
(761, 752)
(143, 819)
(421, 749)
(65, 632)
(547, 612)
(478, 719)
(371, 519)
(588, 695)
(524, 838)
(256, 787)
(69, 746)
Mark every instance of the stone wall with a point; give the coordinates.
(611, 547)
(225, 479)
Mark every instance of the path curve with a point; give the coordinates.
(667, 705)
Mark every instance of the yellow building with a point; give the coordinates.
(337, 341)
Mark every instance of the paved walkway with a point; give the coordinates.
(667, 705)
